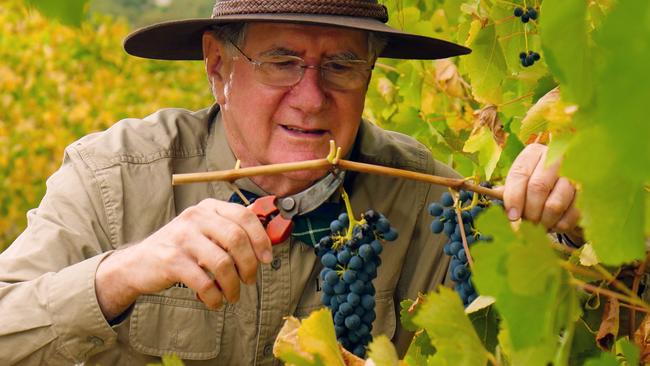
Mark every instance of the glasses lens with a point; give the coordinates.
(345, 75)
(288, 70)
(280, 71)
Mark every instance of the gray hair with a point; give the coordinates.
(236, 33)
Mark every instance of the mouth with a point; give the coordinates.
(303, 131)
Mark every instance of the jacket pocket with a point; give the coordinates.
(174, 322)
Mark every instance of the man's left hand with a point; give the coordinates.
(535, 192)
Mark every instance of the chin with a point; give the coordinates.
(306, 176)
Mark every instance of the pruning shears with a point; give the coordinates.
(276, 213)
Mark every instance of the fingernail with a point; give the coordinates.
(267, 257)
(513, 214)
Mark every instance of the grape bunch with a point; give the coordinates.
(350, 256)
(528, 59)
(526, 14)
(446, 221)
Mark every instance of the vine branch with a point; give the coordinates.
(332, 162)
(610, 293)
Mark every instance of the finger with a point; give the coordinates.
(251, 224)
(214, 259)
(236, 242)
(514, 194)
(557, 203)
(540, 184)
(568, 221)
(195, 278)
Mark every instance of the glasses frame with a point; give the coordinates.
(303, 66)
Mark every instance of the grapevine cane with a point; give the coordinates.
(332, 161)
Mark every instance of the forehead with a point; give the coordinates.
(306, 38)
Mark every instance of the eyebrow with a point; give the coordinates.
(281, 51)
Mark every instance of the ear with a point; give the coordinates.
(214, 55)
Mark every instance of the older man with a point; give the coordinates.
(118, 267)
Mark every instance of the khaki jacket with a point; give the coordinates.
(114, 189)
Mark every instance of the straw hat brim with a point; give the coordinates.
(181, 39)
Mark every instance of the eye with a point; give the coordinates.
(338, 67)
(283, 64)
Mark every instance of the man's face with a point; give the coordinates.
(269, 124)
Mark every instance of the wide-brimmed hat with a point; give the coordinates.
(181, 39)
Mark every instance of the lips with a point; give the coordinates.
(295, 129)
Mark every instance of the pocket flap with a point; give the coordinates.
(162, 325)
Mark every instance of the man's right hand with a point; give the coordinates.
(210, 247)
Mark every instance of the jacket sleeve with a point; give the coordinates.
(48, 308)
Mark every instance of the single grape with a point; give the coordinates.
(366, 252)
(352, 322)
(355, 262)
(353, 299)
(382, 225)
(460, 272)
(358, 287)
(346, 309)
(329, 260)
(331, 278)
(446, 199)
(437, 226)
(343, 219)
(435, 209)
(349, 276)
(368, 301)
(518, 12)
(336, 226)
(391, 235)
(376, 247)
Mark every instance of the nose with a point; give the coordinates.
(308, 95)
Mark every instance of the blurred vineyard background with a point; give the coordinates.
(59, 82)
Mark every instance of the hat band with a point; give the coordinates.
(354, 8)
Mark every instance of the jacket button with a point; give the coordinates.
(268, 350)
(276, 263)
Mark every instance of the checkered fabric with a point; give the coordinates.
(308, 228)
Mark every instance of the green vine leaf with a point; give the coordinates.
(613, 138)
(569, 58)
(451, 332)
(486, 66)
(489, 152)
(382, 352)
(521, 271)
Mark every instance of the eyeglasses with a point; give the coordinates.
(287, 70)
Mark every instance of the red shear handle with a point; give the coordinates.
(277, 228)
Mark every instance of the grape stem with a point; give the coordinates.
(603, 291)
(638, 273)
(463, 236)
(602, 274)
(322, 164)
(352, 222)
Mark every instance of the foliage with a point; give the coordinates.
(60, 83)
(139, 13)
